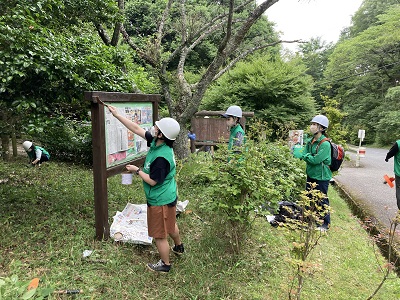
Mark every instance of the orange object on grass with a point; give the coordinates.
(33, 284)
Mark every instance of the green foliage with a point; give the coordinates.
(50, 56)
(47, 221)
(68, 140)
(367, 15)
(388, 127)
(305, 238)
(11, 288)
(143, 18)
(259, 177)
(277, 91)
(362, 69)
(315, 54)
(337, 132)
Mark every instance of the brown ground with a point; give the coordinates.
(20, 149)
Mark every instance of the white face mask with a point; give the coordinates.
(314, 128)
(153, 131)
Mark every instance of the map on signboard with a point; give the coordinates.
(121, 144)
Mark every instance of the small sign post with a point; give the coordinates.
(361, 136)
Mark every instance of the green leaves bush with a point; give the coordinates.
(11, 288)
(277, 91)
(261, 176)
(68, 140)
(255, 180)
(388, 127)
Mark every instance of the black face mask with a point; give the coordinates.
(157, 133)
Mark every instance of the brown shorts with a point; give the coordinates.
(161, 221)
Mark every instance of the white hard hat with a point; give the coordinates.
(169, 127)
(321, 120)
(27, 145)
(234, 111)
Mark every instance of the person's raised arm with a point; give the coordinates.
(392, 152)
(135, 128)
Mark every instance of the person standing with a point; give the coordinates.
(158, 175)
(317, 155)
(237, 136)
(36, 154)
(394, 152)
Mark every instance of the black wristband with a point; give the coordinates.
(137, 171)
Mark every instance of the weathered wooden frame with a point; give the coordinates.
(100, 170)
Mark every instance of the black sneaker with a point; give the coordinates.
(159, 267)
(178, 249)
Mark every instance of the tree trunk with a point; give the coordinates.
(5, 147)
(14, 143)
(181, 146)
(190, 94)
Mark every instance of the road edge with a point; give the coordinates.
(373, 227)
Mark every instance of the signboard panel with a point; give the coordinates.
(121, 144)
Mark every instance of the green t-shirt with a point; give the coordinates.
(32, 154)
(236, 137)
(397, 160)
(165, 192)
(318, 162)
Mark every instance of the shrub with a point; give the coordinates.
(388, 128)
(254, 180)
(68, 140)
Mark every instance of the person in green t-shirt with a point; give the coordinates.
(317, 155)
(36, 154)
(237, 136)
(395, 152)
(158, 175)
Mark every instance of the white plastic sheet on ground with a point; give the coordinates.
(130, 225)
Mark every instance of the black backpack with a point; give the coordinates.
(286, 210)
(337, 154)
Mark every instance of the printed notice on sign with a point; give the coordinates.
(121, 144)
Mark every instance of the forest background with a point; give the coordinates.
(53, 51)
(197, 55)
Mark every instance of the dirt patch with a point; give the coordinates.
(20, 149)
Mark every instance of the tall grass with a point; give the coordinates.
(47, 221)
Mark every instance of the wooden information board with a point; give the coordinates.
(114, 146)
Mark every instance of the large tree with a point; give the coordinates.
(278, 91)
(50, 56)
(363, 68)
(315, 54)
(367, 15)
(193, 23)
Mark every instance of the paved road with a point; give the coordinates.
(365, 183)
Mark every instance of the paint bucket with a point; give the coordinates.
(127, 178)
(361, 151)
(389, 180)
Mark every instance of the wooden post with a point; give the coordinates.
(100, 170)
(99, 173)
